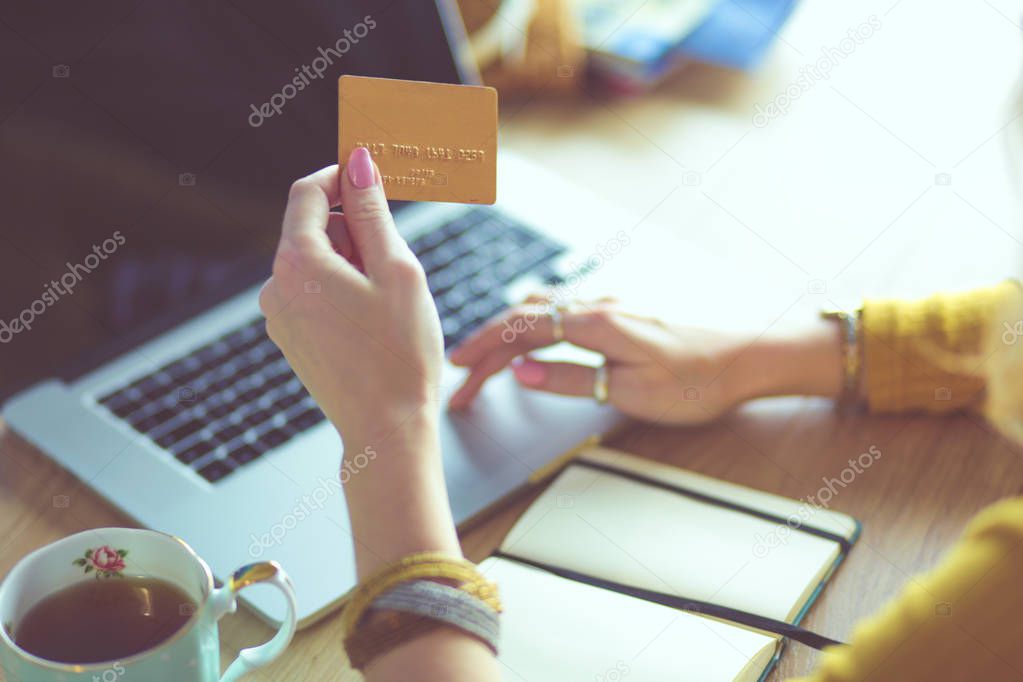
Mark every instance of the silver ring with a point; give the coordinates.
(600, 384)
(557, 322)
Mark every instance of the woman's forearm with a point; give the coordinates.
(398, 505)
(395, 491)
(444, 655)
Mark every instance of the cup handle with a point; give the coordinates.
(223, 601)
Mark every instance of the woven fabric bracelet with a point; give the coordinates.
(413, 609)
(444, 603)
(424, 565)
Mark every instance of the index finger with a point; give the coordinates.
(309, 204)
(525, 328)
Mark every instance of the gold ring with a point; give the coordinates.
(557, 322)
(600, 384)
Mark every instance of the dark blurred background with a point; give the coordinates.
(139, 119)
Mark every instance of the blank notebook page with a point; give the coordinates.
(629, 532)
(558, 630)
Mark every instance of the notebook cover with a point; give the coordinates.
(813, 597)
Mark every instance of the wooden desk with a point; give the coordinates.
(932, 476)
(886, 178)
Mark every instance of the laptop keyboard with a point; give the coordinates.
(470, 261)
(222, 406)
(229, 402)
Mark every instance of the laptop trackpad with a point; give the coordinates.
(507, 435)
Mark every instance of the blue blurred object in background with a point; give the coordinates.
(737, 33)
(633, 44)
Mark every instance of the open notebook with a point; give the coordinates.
(612, 525)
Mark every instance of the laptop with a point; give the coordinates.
(143, 201)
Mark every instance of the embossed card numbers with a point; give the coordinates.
(431, 141)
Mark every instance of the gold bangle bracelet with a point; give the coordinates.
(424, 565)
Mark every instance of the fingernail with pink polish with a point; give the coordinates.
(361, 170)
(530, 372)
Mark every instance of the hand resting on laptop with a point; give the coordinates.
(655, 371)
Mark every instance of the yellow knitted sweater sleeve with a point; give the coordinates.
(930, 355)
(960, 622)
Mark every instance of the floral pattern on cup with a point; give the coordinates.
(104, 561)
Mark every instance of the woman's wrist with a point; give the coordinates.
(407, 430)
(395, 492)
(807, 361)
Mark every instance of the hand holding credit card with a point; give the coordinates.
(431, 141)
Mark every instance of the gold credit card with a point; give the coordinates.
(431, 141)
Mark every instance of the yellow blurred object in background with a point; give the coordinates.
(525, 47)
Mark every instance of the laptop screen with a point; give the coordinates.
(147, 150)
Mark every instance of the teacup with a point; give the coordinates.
(191, 653)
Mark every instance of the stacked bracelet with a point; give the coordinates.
(444, 603)
(405, 600)
(852, 360)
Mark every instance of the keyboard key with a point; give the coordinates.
(275, 437)
(498, 249)
(450, 325)
(183, 368)
(483, 283)
(272, 361)
(256, 343)
(246, 453)
(473, 238)
(307, 419)
(507, 271)
(216, 470)
(249, 395)
(220, 410)
(180, 433)
(211, 352)
(236, 338)
(287, 401)
(220, 384)
(259, 416)
(196, 450)
(522, 237)
(275, 381)
(144, 423)
(453, 300)
(442, 280)
(153, 385)
(110, 400)
(231, 431)
(127, 407)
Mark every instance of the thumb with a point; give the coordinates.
(367, 216)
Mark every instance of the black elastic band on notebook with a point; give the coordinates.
(779, 627)
(702, 497)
